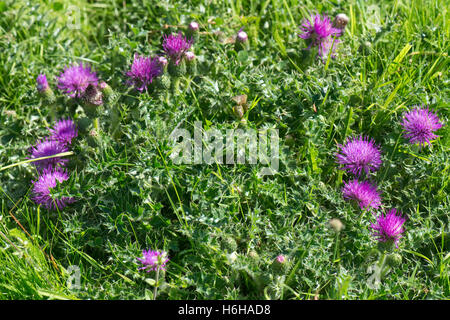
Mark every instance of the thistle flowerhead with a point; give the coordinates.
(419, 125)
(64, 131)
(143, 71)
(320, 31)
(45, 148)
(364, 193)
(42, 189)
(74, 80)
(359, 154)
(175, 46)
(41, 83)
(389, 227)
(153, 260)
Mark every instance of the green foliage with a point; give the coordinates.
(224, 225)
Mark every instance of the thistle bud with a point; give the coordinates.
(106, 90)
(253, 254)
(192, 31)
(394, 259)
(44, 89)
(191, 65)
(279, 263)
(230, 244)
(177, 70)
(193, 26)
(162, 82)
(241, 42)
(241, 36)
(163, 61)
(92, 138)
(281, 259)
(190, 56)
(92, 99)
(103, 85)
(336, 225)
(341, 21)
(93, 95)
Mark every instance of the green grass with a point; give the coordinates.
(223, 225)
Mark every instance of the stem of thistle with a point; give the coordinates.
(96, 124)
(156, 284)
(53, 112)
(176, 85)
(382, 263)
(336, 247)
(167, 96)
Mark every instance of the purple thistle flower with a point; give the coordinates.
(364, 193)
(44, 89)
(45, 148)
(389, 227)
(359, 154)
(42, 83)
(153, 260)
(49, 179)
(75, 79)
(175, 46)
(419, 125)
(64, 131)
(143, 71)
(320, 31)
